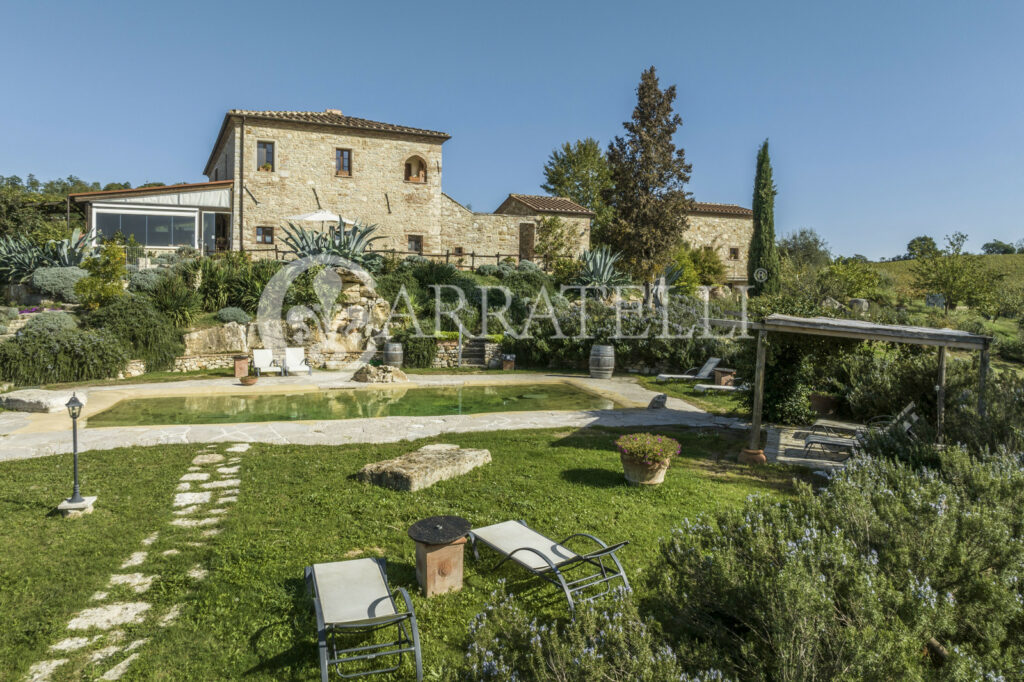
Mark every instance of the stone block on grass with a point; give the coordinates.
(424, 467)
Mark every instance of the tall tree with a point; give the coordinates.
(960, 277)
(580, 172)
(648, 192)
(764, 254)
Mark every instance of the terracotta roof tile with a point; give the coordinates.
(546, 204)
(336, 118)
(720, 209)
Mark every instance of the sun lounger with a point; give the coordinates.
(351, 597)
(551, 560)
(264, 363)
(694, 373)
(830, 441)
(295, 361)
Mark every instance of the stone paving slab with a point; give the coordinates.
(26, 443)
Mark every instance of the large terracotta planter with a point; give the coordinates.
(639, 472)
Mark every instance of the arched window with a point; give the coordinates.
(415, 169)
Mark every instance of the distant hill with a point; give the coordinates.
(1010, 265)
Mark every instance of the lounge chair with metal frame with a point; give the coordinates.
(295, 361)
(263, 361)
(903, 422)
(354, 597)
(694, 373)
(551, 560)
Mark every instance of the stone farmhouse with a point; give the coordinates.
(268, 165)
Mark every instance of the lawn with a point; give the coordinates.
(250, 618)
(723, 403)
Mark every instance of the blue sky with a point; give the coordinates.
(886, 119)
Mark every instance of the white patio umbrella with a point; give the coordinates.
(321, 216)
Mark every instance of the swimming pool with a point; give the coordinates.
(393, 401)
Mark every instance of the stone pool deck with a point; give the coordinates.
(25, 435)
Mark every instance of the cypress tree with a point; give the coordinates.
(763, 251)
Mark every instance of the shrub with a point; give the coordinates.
(565, 270)
(489, 271)
(1011, 349)
(8, 314)
(103, 284)
(389, 286)
(213, 276)
(417, 352)
(608, 640)
(144, 331)
(648, 447)
(49, 323)
(144, 280)
(870, 578)
(432, 272)
(58, 283)
(233, 315)
(67, 355)
(247, 282)
(527, 265)
(173, 297)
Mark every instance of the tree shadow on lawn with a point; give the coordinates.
(297, 627)
(595, 477)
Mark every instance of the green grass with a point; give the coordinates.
(484, 370)
(150, 378)
(298, 505)
(723, 403)
(1011, 266)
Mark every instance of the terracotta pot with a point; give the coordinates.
(639, 472)
(248, 381)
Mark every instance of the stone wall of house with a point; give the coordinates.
(376, 192)
(723, 233)
(488, 234)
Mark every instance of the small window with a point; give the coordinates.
(415, 243)
(734, 253)
(415, 170)
(265, 156)
(264, 235)
(343, 162)
(458, 251)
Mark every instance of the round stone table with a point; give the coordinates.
(439, 545)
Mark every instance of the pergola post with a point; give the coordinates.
(753, 454)
(940, 396)
(982, 378)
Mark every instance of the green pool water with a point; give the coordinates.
(348, 404)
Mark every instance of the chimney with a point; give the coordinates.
(336, 112)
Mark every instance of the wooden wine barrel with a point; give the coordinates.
(393, 354)
(602, 362)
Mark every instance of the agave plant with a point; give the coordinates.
(19, 258)
(337, 241)
(68, 252)
(599, 268)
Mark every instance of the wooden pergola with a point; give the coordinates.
(944, 339)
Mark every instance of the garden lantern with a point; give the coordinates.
(74, 406)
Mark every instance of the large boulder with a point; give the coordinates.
(385, 374)
(424, 467)
(859, 305)
(226, 338)
(37, 400)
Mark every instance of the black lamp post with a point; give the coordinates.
(75, 410)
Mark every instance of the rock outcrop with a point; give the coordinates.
(385, 374)
(424, 467)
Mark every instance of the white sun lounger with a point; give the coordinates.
(354, 597)
(550, 560)
(295, 361)
(264, 363)
(694, 373)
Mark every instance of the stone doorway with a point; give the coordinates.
(527, 239)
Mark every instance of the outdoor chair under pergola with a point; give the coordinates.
(943, 339)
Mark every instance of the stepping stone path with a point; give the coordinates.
(95, 638)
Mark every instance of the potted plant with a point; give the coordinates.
(250, 378)
(266, 167)
(646, 457)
